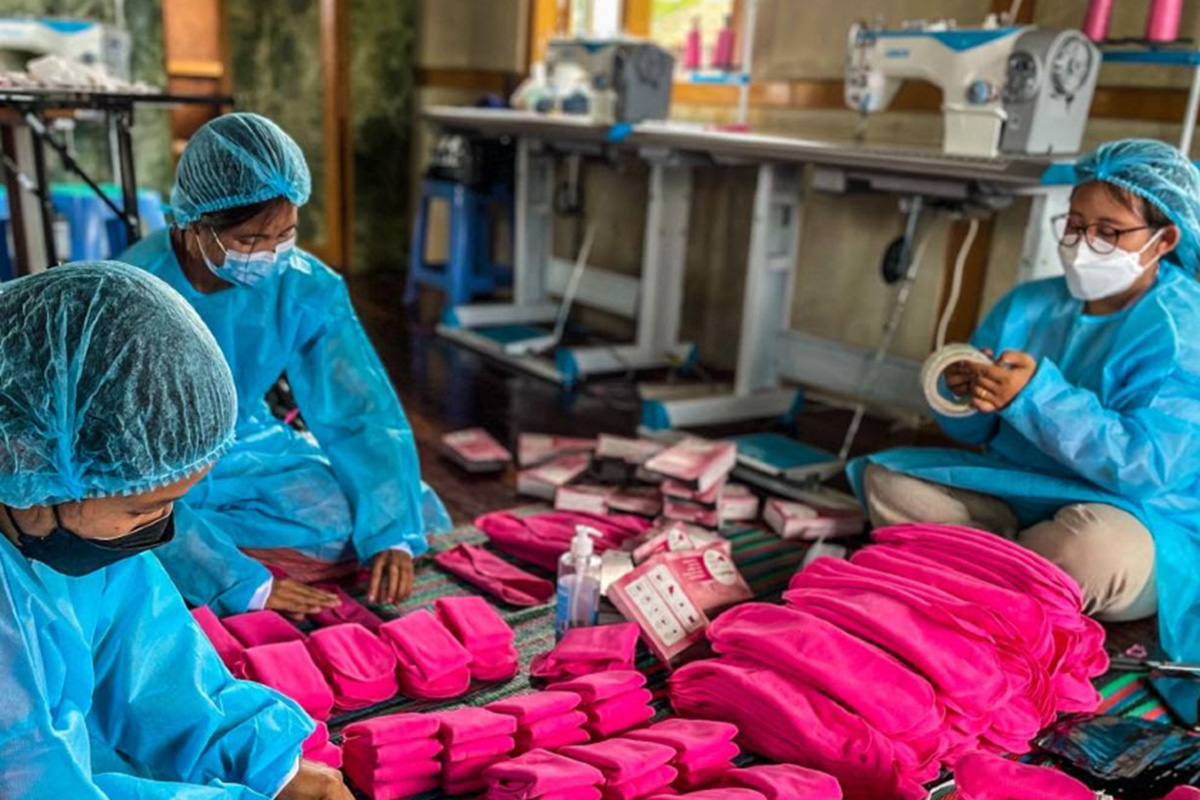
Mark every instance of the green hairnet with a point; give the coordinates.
(1161, 175)
(237, 160)
(110, 384)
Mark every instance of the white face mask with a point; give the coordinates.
(1091, 276)
(250, 269)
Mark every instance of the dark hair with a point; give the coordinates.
(221, 221)
(1153, 215)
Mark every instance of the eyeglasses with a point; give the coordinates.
(1100, 237)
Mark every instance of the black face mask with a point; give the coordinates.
(71, 554)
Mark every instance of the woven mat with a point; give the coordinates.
(767, 563)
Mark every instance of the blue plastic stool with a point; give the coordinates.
(469, 270)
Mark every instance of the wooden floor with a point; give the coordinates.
(445, 388)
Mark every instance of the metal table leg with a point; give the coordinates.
(31, 216)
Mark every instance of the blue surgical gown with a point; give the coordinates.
(351, 492)
(108, 689)
(1112, 415)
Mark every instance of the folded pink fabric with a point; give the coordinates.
(413, 750)
(463, 786)
(480, 748)
(620, 707)
(656, 780)
(392, 729)
(631, 717)
(495, 576)
(228, 648)
(471, 724)
(532, 708)
(390, 772)
(539, 773)
(553, 725)
(622, 760)
(982, 776)
(328, 754)
(693, 739)
(701, 779)
(491, 666)
(705, 760)
(474, 622)
(360, 668)
(584, 651)
(432, 664)
(553, 741)
(541, 538)
(288, 668)
(582, 793)
(784, 782)
(262, 627)
(350, 610)
(713, 794)
(790, 722)
(602, 685)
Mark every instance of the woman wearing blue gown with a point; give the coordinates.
(347, 492)
(1088, 423)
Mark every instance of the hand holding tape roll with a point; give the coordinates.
(935, 367)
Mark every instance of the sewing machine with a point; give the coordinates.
(1005, 88)
(90, 43)
(606, 80)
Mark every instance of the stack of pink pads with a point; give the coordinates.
(433, 665)
(541, 538)
(473, 739)
(482, 633)
(614, 702)
(276, 655)
(631, 769)
(394, 757)
(982, 776)
(984, 644)
(586, 651)
(542, 775)
(545, 720)
(784, 782)
(703, 750)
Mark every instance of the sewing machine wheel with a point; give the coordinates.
(1071, 66)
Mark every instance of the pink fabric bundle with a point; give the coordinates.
(619, 714)
(317, 747)
(784, 782)
(791, 722)
(228, 648)
(350, 610)
(631, 768)
(1077, 640)
(982, 776)
(432, 664)
(474, 739)
(542, 774)
(704, 749)
(262, 627)
(289, 669)
(395, 756)
(545, 720)
(890, 696)
(585, 651)
(360, 668)
(487, 637)
(495, 576)
(541, 538)
(603, 685)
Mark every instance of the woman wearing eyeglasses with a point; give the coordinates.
(1089, 423)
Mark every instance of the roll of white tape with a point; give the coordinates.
(931, 375)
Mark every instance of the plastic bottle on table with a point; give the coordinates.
(578, 601)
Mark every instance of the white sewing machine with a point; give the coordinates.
(92, 44)
(1005, 88)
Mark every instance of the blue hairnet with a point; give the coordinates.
(237, 160)
(110, 384)
(1161, 175)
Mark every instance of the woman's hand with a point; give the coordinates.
(391, 577)
(315, 782)
(298, 600)
(998, 385)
